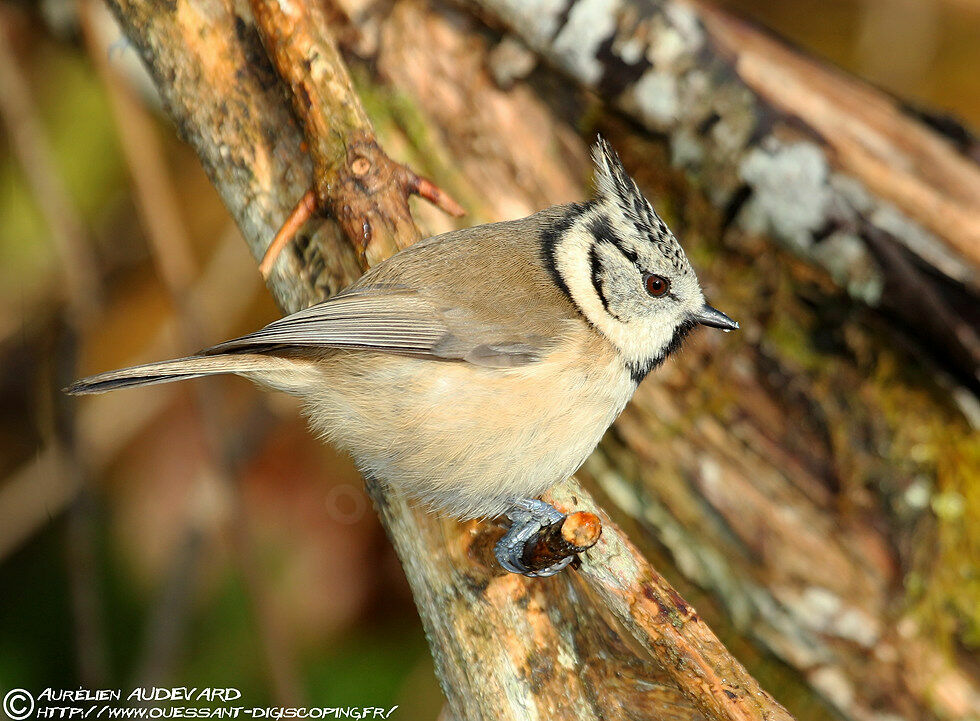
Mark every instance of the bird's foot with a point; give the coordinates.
(538, 544)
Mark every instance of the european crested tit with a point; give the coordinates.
(477, 368)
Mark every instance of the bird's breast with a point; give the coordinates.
(468, 438)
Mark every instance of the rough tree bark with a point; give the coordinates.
(505, 646)
(795, 502)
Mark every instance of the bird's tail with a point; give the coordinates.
(259, 367)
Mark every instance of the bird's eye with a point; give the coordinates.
(655, 285)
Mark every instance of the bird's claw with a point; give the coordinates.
(528, 517)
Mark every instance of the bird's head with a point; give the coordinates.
(626, 271)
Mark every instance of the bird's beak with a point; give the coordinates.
(715, 318)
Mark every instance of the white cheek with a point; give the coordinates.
(634, 341)
(649, 339)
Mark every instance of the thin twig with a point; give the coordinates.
(304, 210)
(425, 188)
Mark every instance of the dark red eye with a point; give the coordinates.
(656, 286)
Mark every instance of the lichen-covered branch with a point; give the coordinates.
(784, 146)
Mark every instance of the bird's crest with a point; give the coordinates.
(617, 189)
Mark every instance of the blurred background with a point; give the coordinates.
(202, 535)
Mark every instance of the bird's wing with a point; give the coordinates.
(480, 295)
(397, 320)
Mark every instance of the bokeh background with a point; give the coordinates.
(208, 538)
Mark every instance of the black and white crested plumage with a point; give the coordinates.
(618, 188)
(603, 251)
(480, 366)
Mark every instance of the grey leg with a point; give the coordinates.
(527, 517)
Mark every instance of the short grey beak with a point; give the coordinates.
(715, 318)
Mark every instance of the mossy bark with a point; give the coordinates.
(790, 477)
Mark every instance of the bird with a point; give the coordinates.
(478, 368)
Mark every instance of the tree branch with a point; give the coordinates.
(503, 645)
(363, 189)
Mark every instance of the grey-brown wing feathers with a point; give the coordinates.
(378, 318)
(396, 320)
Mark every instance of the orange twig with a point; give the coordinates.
(308, 206)
(425, 188)
(305, 209)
